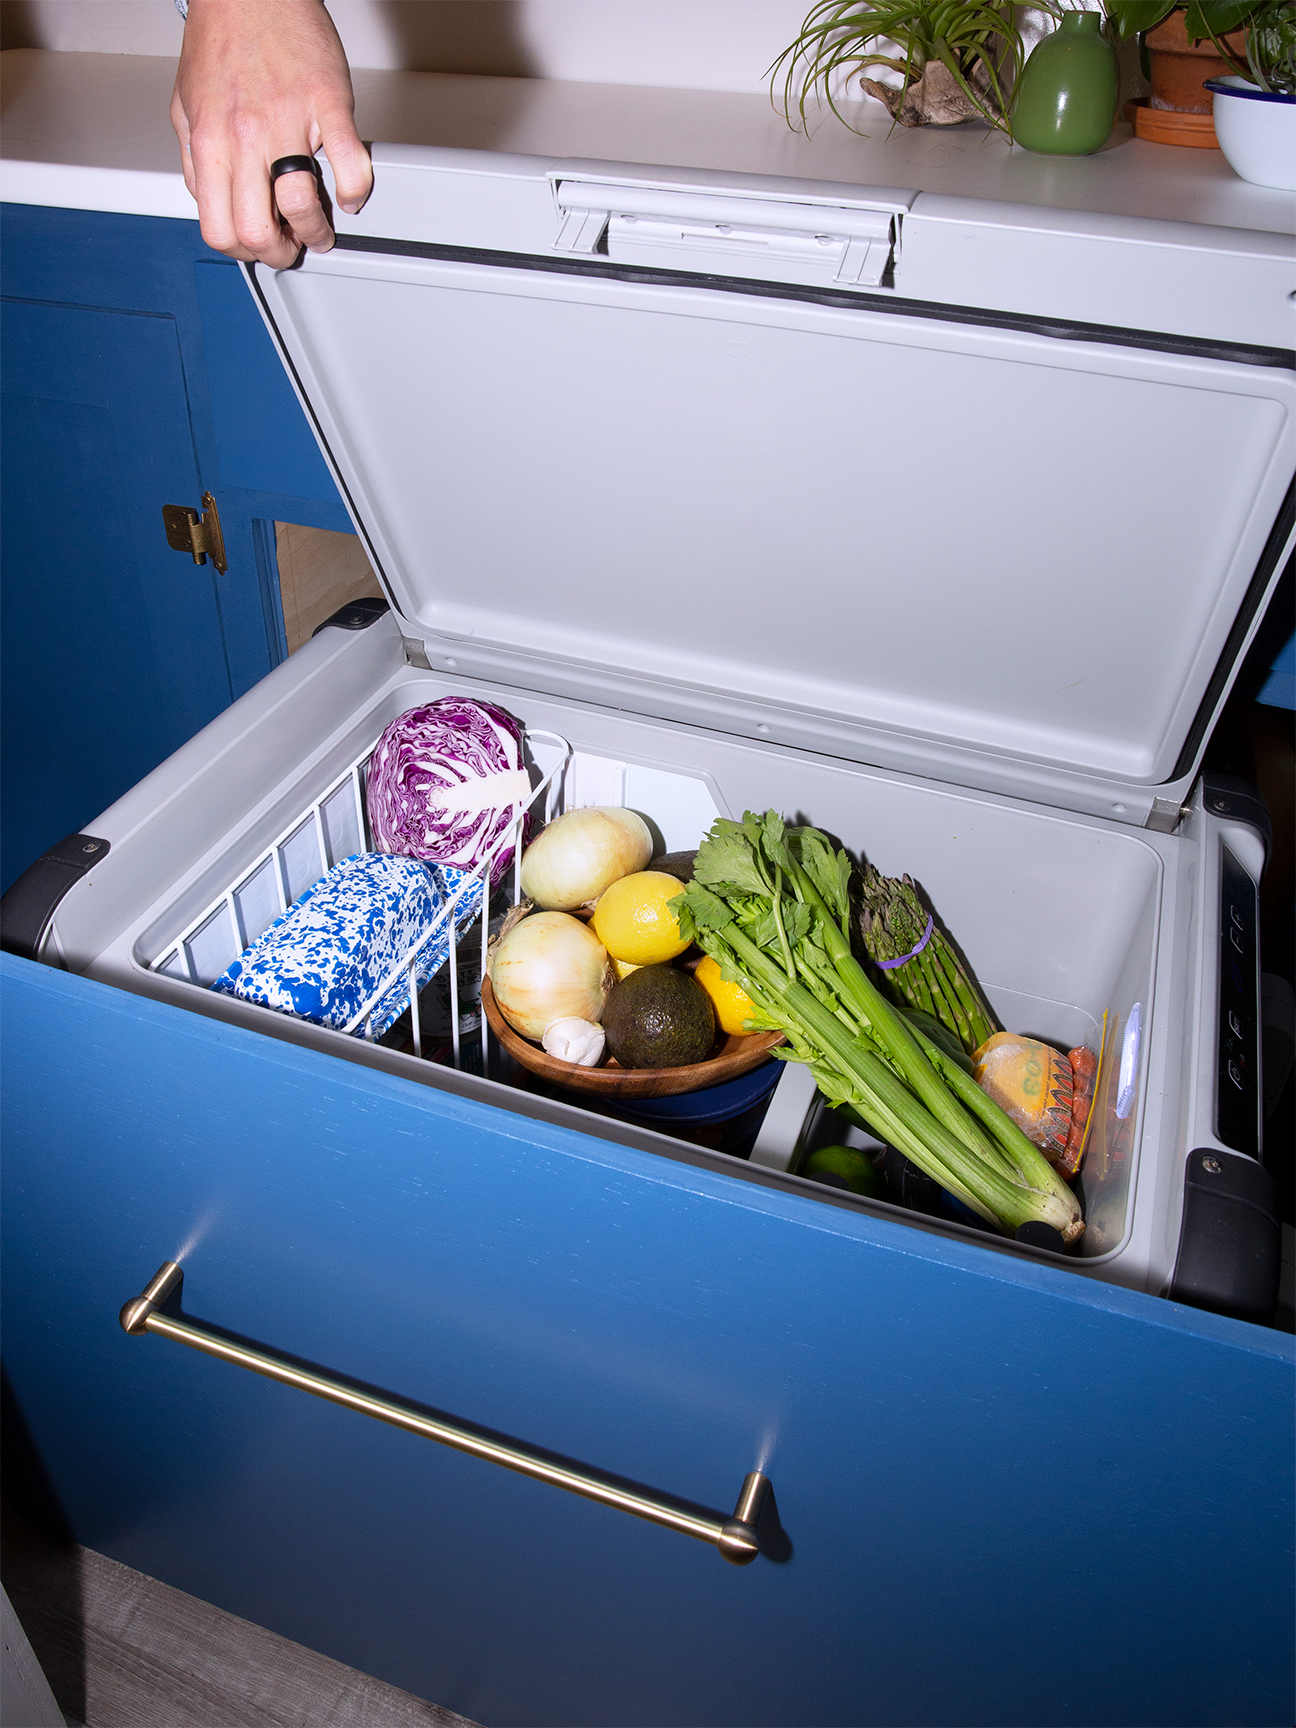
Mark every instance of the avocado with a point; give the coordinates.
(659, 1017)
(677, 864)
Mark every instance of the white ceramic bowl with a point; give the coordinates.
(1256, 132)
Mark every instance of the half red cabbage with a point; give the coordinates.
(445, 781)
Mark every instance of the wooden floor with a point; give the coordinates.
(122, 1651)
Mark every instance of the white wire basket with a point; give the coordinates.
(333, 827)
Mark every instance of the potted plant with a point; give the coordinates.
(1255, 103)
(1181, 46)
(959, 59)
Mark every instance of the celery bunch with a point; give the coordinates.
(772, 905)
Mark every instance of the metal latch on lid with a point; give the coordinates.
(769, 239)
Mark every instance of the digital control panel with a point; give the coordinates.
(1238, 1081)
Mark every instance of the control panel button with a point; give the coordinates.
(1237, 1055)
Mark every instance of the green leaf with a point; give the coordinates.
(764, 930)
(683, 913)
(844, 871)
(730, 970)
(728, 856)
(1132, 17)
(815, 854)
(706, 911)
(797, 920)
(835, 1088)
(772, 830)
(748, 909)
(1204, 19)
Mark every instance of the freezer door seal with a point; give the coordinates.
(1161, 342)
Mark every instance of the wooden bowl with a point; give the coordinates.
(733, 1055)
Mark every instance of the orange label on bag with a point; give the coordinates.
(1031, 1083)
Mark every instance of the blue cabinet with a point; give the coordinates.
(1011, 1494)
(136, 373)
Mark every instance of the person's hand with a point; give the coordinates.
(261, 79)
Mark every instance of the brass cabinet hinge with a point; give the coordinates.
(188, 531)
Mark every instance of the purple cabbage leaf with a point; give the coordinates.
(444, 782)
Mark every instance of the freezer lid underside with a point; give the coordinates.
(991, 555)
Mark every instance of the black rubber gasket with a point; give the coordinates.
(1251, 603)
(1057, 329)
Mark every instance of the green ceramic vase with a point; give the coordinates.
(1066, 100)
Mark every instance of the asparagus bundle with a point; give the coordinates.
(921, 966)
(771, 905)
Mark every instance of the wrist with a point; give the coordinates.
(232, 8)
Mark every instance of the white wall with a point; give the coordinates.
(687, 44)
(691, 44)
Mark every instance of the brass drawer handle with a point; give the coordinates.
(735, 1537)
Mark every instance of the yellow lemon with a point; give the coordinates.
(731, 1002)
(633, 921)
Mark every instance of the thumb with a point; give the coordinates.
(349, 160)
(180, 123)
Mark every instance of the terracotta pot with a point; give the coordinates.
(1180, 67)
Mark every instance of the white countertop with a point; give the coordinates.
(90, 131)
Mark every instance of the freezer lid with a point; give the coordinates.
(667, 446)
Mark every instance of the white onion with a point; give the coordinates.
(549, 967)
(581, 854)
(577, 1041)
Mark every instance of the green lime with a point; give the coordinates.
(853, 1169)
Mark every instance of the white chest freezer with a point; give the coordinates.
(940, 525)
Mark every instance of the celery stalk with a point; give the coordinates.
(794, 959)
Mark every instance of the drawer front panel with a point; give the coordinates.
(1010, 1494)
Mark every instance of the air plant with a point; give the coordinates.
(958, 58)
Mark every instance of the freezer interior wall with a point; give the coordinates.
(1057, 915)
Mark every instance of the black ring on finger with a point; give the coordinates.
(293, 165)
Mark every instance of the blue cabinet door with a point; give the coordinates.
(114, 649)
(1010, 1494)
(136, 373)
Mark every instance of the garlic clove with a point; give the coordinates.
(573, 1040)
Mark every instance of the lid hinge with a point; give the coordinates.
(416, 653)
(1166, 814)
(715, 233)
(198, 533)
(581, 230)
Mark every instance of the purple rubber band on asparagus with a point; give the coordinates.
(890, 965)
